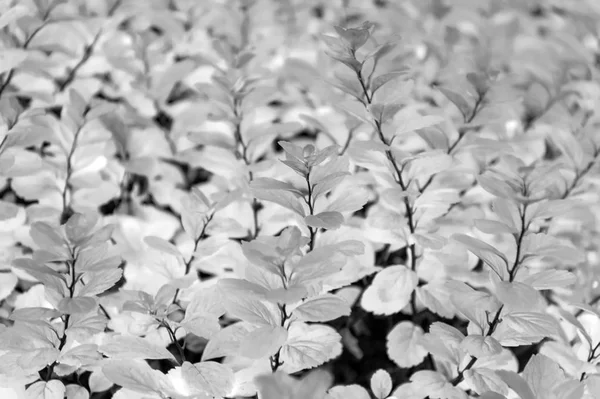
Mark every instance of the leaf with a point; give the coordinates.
(524, 328)
(79, 226)
(385, 78)
(11, 58)
(75, 391)
(516, 383)
(53, 389)
(309, 346)
(518, 297)
(444, 341)
(251, 310)
(488, 254)
(349, 201)
(45, 236)
(266, 183)
(543, 375)
(136, 375)
(457, 99)
(347, 392)
(226, 342)
(13, 14)
(493, 227)
(483, 380)
(390, 290)
(82, 304)
(131, 347)
(381, 384)
(100, 281)
(282, 198)
(162, 245)
(404, 344)
(263, 342)
(550, 279)
(209, 377)
(355, 38)
(322, 308)
(481, 346)
(325, 220)
(568, 317)
(407, 126)
(203, 326)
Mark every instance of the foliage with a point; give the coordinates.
(296, 199)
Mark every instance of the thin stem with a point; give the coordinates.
(67, 317)
(409, 211)
(512, 274)
(87, 52)
(188, 263)
(244, 155)
(65, 205)
(175, 342)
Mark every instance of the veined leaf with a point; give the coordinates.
(381, 384)
(131, 347)
(162, 245)
(481, 346)
(53, 389)
(483, 380)
(517, 384)
(309, 346)
(404, 344)
(347, 392)
(322, 308)
(263, 342)
(325, 220)
(209, 377)
(78, 305)
(490, 255)
(136, 375)
(390, 290)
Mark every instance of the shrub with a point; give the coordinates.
(282, 200)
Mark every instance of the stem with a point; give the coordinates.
(403, 185)
(67, 317)
(496, 320)
(311, 208)
(188, 263)
(65, 205)
(175, 341)
(87, 52)
(244, 155)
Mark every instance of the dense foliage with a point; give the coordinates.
(296, 199)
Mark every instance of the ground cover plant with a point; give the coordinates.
(300, 199)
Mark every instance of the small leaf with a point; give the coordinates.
(82, 304)
(481, 346)
(490, 255)
(347, 392)
(53, 389)
(131, 347)
(404, 344)
(381, 80)
(323, 308)
(209, 377)
(309, 346)
(263, 342)
(390, 290)
(136, 375)
(381, 384)
(516, 383)
(457, 99)
(162, 245)
(422, 122)
(325, 220)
